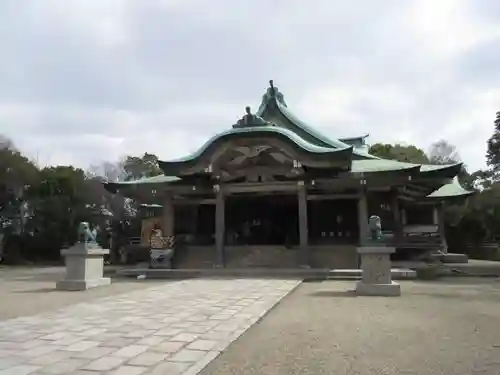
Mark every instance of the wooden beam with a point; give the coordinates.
(194, 201)
(190, 190)
(320, 197)
(260, 187)
(378, 189)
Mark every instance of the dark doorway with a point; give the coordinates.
(205, 225)
(264, 220)
(333, 221)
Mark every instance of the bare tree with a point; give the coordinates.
(443, 152)
(111, 172)
(115, 206)
(6, 143)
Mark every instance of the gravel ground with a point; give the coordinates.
(28, 291)
(445, 327)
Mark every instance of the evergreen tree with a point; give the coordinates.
(493, 151)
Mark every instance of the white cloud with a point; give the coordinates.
(445, 28)
(88, 80)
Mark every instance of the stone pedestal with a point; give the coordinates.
(84, 267)
(376, 267)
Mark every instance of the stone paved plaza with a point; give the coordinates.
(170, 328)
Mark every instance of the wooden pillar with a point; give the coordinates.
(439, 214)
(220, 226)
(303, 226)
(168, 217)
(396, 214)
(364, 228)
(435, 215)
(194, 225)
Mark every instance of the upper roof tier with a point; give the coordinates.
(274, 119)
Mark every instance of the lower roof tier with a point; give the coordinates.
(440, 180)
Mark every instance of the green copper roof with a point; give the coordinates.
(380, 165)
(449, 190)
(436, 167)
(174, 167)
(440, 170)
(303, 136)
(314, 136)
(273, 98)
(274, 119)
(301, 143)
(452, 189)
(385, 165)
(254, 125)
(160, 179)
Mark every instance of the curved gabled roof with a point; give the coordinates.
(301, 145)
(261, 130)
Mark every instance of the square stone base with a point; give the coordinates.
(391, 290)
(75, 285)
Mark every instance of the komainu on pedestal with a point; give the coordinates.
(376, 264)
(84, 262)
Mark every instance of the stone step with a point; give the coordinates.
(225, 272)
(284, 273)
(355, 278)
(454, 258)
(396, 274)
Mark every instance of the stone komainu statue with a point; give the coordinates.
(86, 235)
(375, 225)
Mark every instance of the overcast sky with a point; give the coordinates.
(82, 81)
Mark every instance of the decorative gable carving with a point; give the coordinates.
(257, 163)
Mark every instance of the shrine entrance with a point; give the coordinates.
(262, 220)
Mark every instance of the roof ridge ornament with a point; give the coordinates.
(272, 92)
(250, 120)
(271, 86)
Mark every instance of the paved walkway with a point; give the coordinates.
(170, 328)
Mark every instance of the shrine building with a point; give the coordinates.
(271, 191)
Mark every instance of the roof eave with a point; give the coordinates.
(114, 187)
(463, 194)
(442, 171)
